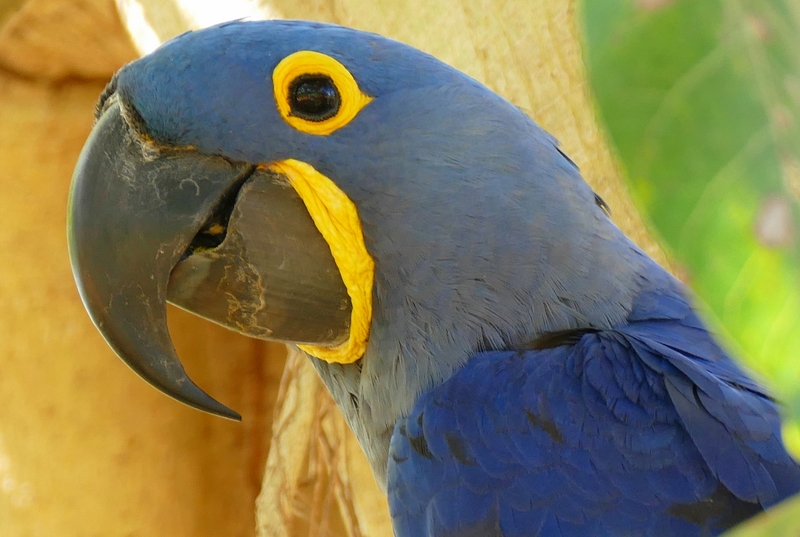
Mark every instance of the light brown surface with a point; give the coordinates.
(56, 39)
(86, 448)
(317, 481)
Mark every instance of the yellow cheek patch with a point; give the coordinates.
(337, 220)
(307, 63)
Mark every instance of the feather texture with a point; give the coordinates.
(648, 430)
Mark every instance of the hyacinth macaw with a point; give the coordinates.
(511, 363)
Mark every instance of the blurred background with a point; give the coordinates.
(682, 114)
(701, 100)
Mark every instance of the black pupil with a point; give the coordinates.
(314, 97)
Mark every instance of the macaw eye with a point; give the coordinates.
(314, 97)
(315, 93)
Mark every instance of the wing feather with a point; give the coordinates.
(649, 429)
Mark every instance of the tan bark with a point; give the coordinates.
(317, 481)
(86, 448)
(56, 39)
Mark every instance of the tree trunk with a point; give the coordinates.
(86, 448)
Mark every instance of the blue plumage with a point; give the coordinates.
(529, 370)
(648, 429)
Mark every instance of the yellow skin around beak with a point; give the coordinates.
(337, 220)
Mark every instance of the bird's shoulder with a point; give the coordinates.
(646, 429)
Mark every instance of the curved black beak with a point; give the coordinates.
(245, 252)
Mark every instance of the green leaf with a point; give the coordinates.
(783, 520)
(702, 102)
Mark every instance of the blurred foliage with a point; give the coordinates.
(701, 99)
(783, 520)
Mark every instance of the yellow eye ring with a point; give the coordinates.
(316, 94)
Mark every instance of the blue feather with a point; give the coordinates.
(648, 429)
(484, 234)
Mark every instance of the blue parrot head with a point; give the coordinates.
(438, 217)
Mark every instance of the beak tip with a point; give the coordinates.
(218, 409)
(206, 403)
(212, 406)
(230, 415)
(188, 393)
